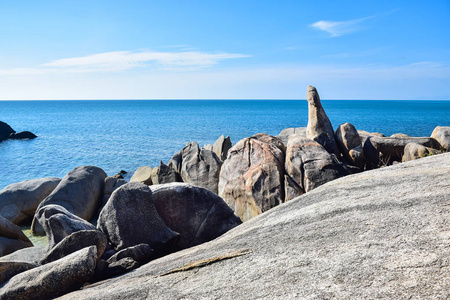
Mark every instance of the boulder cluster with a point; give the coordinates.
(98, 227)
(6, 132)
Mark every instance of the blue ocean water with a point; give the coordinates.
(116, 135)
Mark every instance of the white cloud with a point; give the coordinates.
(340, 28)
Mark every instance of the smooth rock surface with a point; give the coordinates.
(53, 279)
(442, 135)
(164, 174)
(252, 177)
(415, 151)
(349, 143)
(381, 234)
(32, 255)
(11, 238)
(143, 175)
(19, 201)
(221, 147)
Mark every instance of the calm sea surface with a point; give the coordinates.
(116, 135)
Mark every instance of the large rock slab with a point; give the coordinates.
(252, 177)
(197, 214)
(130, 218)
(19, 201)
(442, 135)
(381, 234)
(319, 127)
(80, 192)
(53, 279)
(11, 238)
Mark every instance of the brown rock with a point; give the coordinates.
(442, 135)
(415, 151)
(143, 175)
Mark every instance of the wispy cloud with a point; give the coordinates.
(341, 28)
(125, 60)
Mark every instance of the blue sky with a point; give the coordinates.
(224, 49)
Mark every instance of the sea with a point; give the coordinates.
(126, 134)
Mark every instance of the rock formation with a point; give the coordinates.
(164, 174)
(6, 132)
(442, 135)
(349, 142)
(221, 147)
(415, 151)
(143, 175)
(11, 238)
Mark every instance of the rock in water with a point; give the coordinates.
(349, 142)
(221, 147)
(5, 131)
(53, 279)
(252, 177)
(130, 218)
(197, 214)
(442, 135)
(23, 135)
(143, 175)
(18, 201)
(80, 192)
(11, 237)
(319, 127)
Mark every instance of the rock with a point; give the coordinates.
(141, 253)
(164, 174)
(197, 166)
(197, 214)
(11, 237)
(111, 184)
(297, 130)
(371, 154)
(53, 279)
(349, 143)
(221, 147)
(309, 164)
(59, 223)
(106, 270)
(74, 242)
(5, 131)
(400, 135)
(252, 177)
(363, 133)
(18, 201)
(143, 175)
(80, 192)
(392, 148)
(319, 126)
(414, 151)
(130, 218)
(23, 135)
(380, 234)
(31, 255)
(442, 135)
(291, 188)
(9, 269)
(208, 147)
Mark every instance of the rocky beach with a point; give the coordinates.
(314, 212)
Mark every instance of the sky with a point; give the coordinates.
(252, 49)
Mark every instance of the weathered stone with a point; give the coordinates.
(11, 237)
(141, 253)
(197, 166)
(111, 184)
(414, 151)
(31, 255)
(9, 269)
(143, 175)
(380, 234)
(23, 135)
(53, 279)
(399, 135)
(293, 130)
(319, 126)
(130, 218)
(349, 142)
(371, 154)
(164, 174)
(5, 131)
(106, 270)
(309, 164)
(442, 135)
(59, 223)
(393, 148)
(252, 177)
(18, 201)
(291, 188)
(363, 133)
(197, 214)
(221, 147)
(77, 241)
(80, 192)
(356, 156)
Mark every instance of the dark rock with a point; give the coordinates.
(319, 126)
(371, 154)
(106, 270)
(252, 177)
(143, 175)
(80, 192)
(392, 148)
(31, 255)
(164, 174)
(53, 279)
(141, 253)
(197, 214)
(76, 241)
(18, 201)
(415, 151)
(349, 142)
(292, 188)
(23, 135)
(111, 184)
(442, 135)
(5, 131)
(130, 218)
(11, 237)
(221, 147)
(9, 269)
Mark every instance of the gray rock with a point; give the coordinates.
(319, 126)
(197, 214)
(23, 135)
(380, 234)
(141, 253)
(18, 201)
(53, 279)
(349, 143)
(399, 135)
(442, 135)
(197, 166)
(415, 151)
(11, 237)
(107, 270)
(164, 174)
(371, 154)
(59, 223)
(293, 130)
(5, 131)
(111, 184)
(130, 218)
(80, 192)
(252, 177)
(9, 269)
(363, 133)
(221, 147)
(143, 175)
(392, 148)
(31, 255)
(74, 242)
